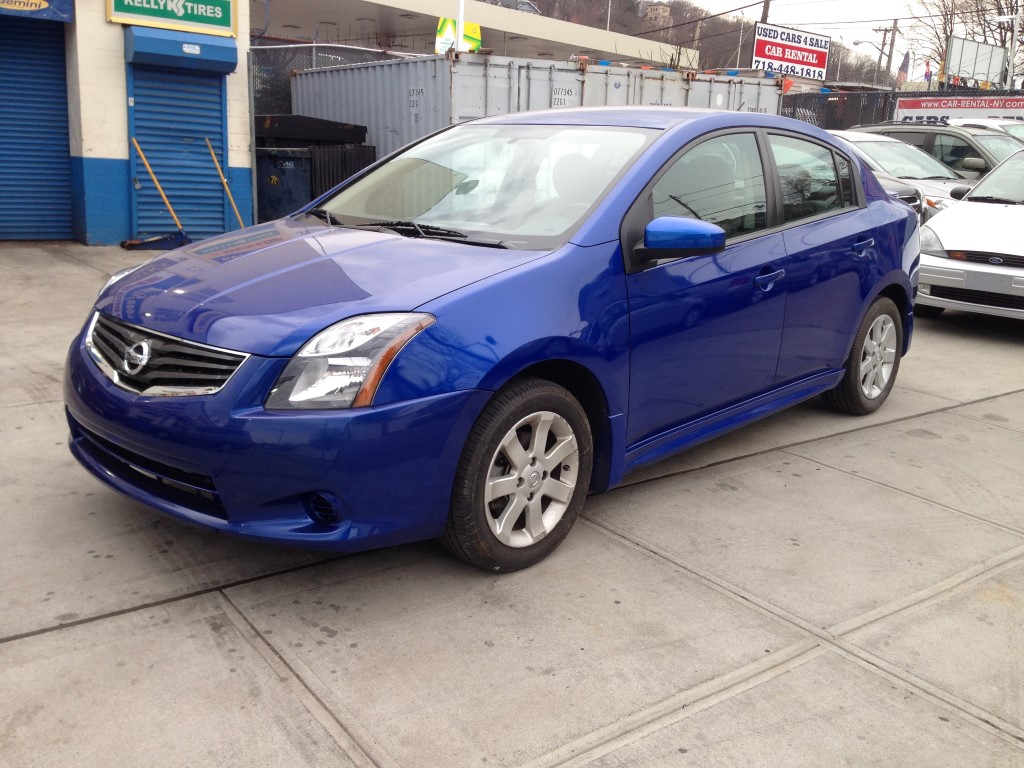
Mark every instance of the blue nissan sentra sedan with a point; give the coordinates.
(469, 337)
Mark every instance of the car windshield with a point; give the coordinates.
(1015, 129)
(1003, 183)
(1000, 146)
(523, 186)
(904, 161)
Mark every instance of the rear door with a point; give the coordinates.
(829, 239)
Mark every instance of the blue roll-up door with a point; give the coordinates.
(35, 160)
(174, 112)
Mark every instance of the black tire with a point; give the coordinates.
(519, 526)
(873, 363)
(927, 310)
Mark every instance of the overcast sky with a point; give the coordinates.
(844, 22)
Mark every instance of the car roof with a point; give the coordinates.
(982, 121)
(647, 117)
(928, 127)
(855, 136)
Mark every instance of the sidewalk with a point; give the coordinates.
(815, 590)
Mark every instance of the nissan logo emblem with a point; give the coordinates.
(136, 357)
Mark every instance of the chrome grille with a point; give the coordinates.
(150, 363)
(1004, 259)
(913, 200)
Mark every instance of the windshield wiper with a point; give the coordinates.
(429, 231)
(994, 199)
(420, 230)
(325, 215)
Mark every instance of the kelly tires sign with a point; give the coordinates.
(787, 51)
(211, 17)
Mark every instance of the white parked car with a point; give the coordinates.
(1013, 127)
(972, 254)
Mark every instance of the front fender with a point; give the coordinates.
(570, 305)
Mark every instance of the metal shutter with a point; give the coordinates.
(35, 162)
(174, 112)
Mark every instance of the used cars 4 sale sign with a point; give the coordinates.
(787, 51)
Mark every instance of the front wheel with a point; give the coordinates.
(873, 363)
(522, 478)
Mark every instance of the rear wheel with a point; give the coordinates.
(873, 363)
(522, 478)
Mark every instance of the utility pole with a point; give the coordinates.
(892, 44)
(764, 11)
(739, 45)
(881, 52)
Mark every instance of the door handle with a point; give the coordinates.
(765, 282)
(863, 245)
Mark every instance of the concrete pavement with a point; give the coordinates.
(814, 590)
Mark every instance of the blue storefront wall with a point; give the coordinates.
(35, 155)
(108, 192)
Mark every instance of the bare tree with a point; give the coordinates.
(970, 19)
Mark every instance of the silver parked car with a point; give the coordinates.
(972, 255)
(907, 163)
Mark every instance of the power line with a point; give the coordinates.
(697, 21)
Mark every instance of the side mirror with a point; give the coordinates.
(674, 237)
(958, 193)
(974, 164)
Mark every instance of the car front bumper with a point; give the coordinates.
(991, 289)
(338, 480)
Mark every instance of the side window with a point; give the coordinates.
(952, 151)
(847, 193)
(720, 180)
(919, 140)
(809, 179)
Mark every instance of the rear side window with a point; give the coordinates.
(846, 190)
(812, 180)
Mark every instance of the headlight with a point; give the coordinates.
(342, 366)
(930, 242)
(938, 203)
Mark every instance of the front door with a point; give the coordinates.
(706, 330)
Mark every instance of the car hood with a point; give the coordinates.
(979, 227)
(939, 187)
(267, 289)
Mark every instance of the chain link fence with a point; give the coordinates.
(839, 110)
(273, 65)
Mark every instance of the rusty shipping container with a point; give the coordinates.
(403, 100)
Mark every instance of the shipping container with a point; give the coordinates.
(403, 100)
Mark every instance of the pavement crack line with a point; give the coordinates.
(164, 601)
(287, 671)
(678, 707)
(828, 639)
(798, 443)
(980, 518)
